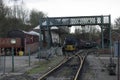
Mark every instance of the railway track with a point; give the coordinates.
(69, 69)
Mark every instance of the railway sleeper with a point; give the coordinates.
(71, 65)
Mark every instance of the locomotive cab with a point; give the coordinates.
(70, 44)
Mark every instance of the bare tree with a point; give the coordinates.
(18, 10)
(117, 23)
(87, 32)
(3, 9)
(22, 14)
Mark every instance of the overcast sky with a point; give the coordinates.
(57, 8)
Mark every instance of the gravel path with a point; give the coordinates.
(97, 70)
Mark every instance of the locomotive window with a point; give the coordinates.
(70, 42)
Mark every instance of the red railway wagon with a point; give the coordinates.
(29, 40)
(7, 44)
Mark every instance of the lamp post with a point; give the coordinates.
(13, 41)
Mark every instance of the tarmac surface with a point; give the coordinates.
(20, 64)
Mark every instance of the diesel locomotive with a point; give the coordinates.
(70, 44)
